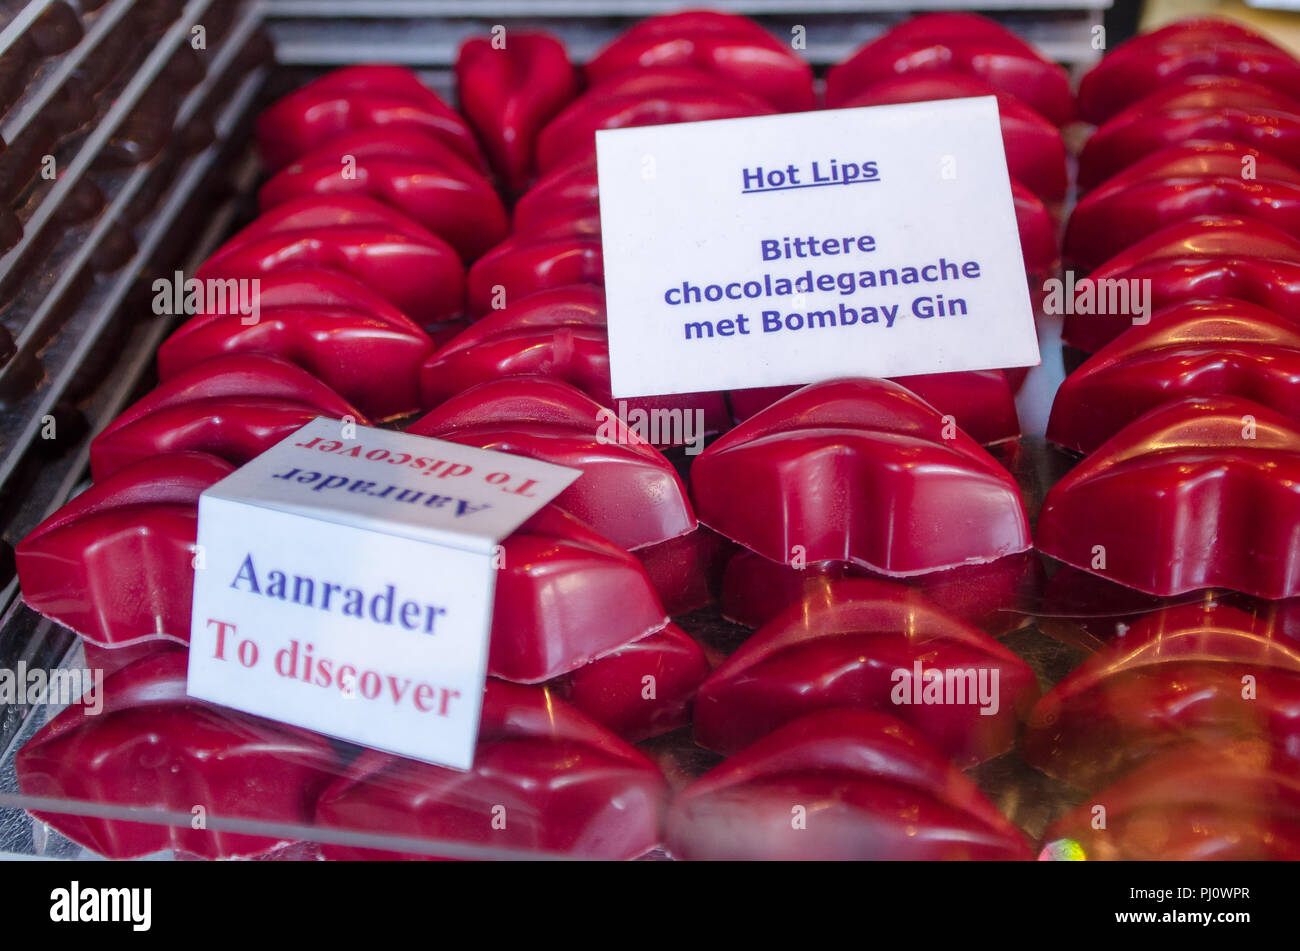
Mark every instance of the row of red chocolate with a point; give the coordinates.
(1182, 728)
(814, 502)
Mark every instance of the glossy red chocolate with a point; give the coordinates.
(1195, 47)
(1037, 228)
(1199, 492)
(152, 746)
(990, 418)
(735, 48)
(658, 95)
(410, 267)
(558, 253)
(509, 93)
(568, 188)
(115, 564)
(1196, 348)
(441, 192)
(1206, 673)
(1034, 147)
(859, 643)
(235, 407)
(1104, 609)
(1173, 185)
(687, 570)
(561, 782)
(627, 492)
(113, 658)
(303, 288)
(981, 401)
(564, 597)
(992, 597)
(373, 360)
(957, 42)
(643, 689)
(867, 787)
(356, 98)
(1226, 802)
(747, 403)
(1206, 257)
(1204, 110)
(559, 333)
(861, 471)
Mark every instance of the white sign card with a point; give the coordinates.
(797, 248)
(344, 583)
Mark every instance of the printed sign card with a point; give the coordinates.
(791, 249)
(347, 582)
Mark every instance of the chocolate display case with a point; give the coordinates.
(771, 678)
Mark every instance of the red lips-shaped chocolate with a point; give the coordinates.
(116, 563)
(839, 784)
(755, 590)
(873, 645)
(564, 597)
(1034, 148)
(1196, 348)
(643, 689)
(371, 359)
(235, 407)
(509, 93)
(982, 400)
(1205, 257)
(1222, 802)
(627, 491)
(113, 658)
(560, 251)
(957, 42)
(1196, 47)
(434, 187)
(559, 333)
(153, 746)
(304, 287)
(356, 98)
(545, 777)
(568, 188)
(1170, 186)
(1199, 492)
(657, 95)
(861, 471)
(687, 570)
(1106, 609)
(1195, 673)
(409, 266)
(1204, 110)
(733, 47)
(1038, 243)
